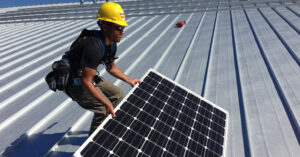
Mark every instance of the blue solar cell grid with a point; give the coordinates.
(160, 118)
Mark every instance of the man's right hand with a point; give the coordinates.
(110, 110)
(87, 80)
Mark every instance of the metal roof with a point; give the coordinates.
(241, 55)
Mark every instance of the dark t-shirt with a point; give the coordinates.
(88, 52)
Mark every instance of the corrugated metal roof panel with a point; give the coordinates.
(241, 55)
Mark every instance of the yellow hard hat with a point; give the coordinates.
(112, 12)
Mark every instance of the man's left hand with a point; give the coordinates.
(133, 82)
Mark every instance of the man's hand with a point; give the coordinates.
(133, 82)
(87, 80)
(110, 110)
(116, 72)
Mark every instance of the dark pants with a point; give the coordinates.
(108, 90)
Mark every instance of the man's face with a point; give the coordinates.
(115, 32)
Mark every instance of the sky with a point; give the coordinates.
(17, 3)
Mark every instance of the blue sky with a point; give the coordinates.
(14, 3)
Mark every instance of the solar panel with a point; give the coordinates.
(159, 117)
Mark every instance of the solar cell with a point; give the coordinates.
(159, 117)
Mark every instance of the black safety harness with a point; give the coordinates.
(61, 74)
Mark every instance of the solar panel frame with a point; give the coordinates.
(159, 125)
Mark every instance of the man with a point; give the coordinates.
(92, 48)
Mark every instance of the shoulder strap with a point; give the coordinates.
(113, 47)
(102, 39)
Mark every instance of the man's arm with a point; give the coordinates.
(87, 82)
(116, 72)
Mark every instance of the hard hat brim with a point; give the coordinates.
(121, 23)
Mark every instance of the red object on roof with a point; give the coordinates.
(180, 24)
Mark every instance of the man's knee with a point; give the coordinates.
(121, 95)
(118, 98)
